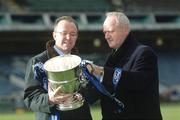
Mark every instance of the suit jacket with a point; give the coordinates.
(138, 85)
(36, 97)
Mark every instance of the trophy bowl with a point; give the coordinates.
(63, 75)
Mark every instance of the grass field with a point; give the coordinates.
(170, 111)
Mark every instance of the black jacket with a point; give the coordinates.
(138, 85)
(36, 97)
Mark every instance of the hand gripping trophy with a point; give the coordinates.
(63, 74)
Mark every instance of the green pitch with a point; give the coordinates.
(169, 111)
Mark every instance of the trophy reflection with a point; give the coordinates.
(63, 79)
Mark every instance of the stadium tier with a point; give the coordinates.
(26, 25)
(154, 6)
(69, 5)
(40, 14)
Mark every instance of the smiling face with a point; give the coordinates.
(65, 36)
(114, 32)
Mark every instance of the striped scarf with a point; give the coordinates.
(40, 75)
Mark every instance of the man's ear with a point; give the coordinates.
(126, 32)
(54, 35)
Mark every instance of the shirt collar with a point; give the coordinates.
(58, 50)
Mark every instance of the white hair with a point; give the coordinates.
(121, 19)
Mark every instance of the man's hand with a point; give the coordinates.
(94, 69)
(56, 97)
(97, 71)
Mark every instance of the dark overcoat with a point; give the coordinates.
(138, 86)
(36, 97)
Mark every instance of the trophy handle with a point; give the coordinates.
(83, 81)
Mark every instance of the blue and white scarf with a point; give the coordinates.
(40, 75)
(100, 87)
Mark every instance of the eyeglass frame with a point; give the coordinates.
(64, 33)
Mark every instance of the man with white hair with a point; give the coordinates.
(130, 74)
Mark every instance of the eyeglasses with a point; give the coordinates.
(63, 33)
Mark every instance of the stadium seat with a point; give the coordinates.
(69, 5)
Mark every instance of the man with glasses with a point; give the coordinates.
(36, 96)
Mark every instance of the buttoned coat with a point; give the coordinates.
(138, 86)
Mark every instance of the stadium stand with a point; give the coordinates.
(12, 5)
(40, 14)
(154, 6)
(169, 68)
(69, 5)
(25, 26)
(12, 73)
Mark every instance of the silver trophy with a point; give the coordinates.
(64, 75)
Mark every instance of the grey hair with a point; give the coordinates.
(121, 19)
(67, 18)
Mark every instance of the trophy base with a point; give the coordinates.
(75, 102)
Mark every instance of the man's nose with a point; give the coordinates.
(68, 36)
(106, 35)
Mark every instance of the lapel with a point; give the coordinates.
(51, 51)
(122, 55)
